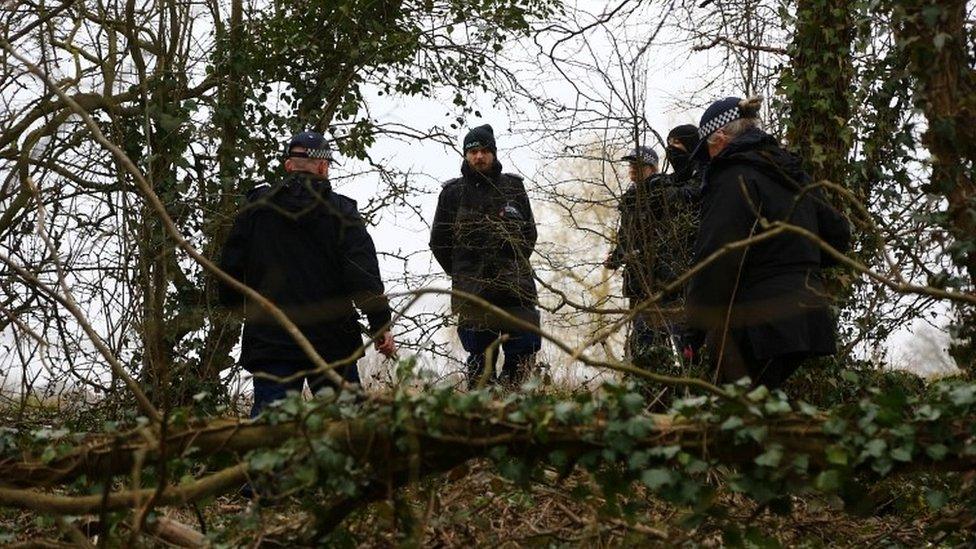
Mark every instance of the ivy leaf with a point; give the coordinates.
(801, 463)
(564, 411)
(850, 377)
(774, 407)
(265, 461)
(638, 426)
(936, 499)
(49, 454)
(807, 409)
(882, 465)
(961, 396)
(932, 14)
(759, 393)
(558, 458)
(834, 426)
(314, 422)
(771, 457)
(632, 402)
(836, 455)
(901, 453)
(875, 447)
(828, 481)
(734, 422)
(928, 413)
(656, 478)
(937, 451)
(638, 460)
(666, 452)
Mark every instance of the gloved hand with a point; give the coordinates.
(385, 345)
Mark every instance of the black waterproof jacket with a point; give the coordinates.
(306, 249)
(482, 236)
(658, 219)
(770, 295)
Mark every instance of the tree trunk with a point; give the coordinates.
(817, 85)
(933, 35)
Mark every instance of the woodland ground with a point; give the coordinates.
(474, 506)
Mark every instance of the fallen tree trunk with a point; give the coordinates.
(397, 442)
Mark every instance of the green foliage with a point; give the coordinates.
(817, 85)
(621, 446)
(317, 59)
(755, 443)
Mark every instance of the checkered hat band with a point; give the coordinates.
(320, 153)
(708, 128)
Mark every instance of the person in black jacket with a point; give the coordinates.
(762, 307)
(653, 244)
(482, 236)
(306, 249)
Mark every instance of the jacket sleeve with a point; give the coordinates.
(688, 192)
(233, 259)
(442, 230)
(529, 233)
(833, 228)
(616, 258)
(361, 270)
(727, 217)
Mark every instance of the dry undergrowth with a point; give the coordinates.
(473, 506)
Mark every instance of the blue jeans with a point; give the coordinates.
(267, 390)
(519, 349)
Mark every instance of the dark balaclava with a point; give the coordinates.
(681, 160)
(482, 137)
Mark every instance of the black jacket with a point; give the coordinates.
(778, 306)
(482, 235)
(306, 249)
(658, 218)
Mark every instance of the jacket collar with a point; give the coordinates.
(761, 151)
(476, 177)
(751, 139)
(300, 182)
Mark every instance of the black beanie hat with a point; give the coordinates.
(687, 134)
(482, 137)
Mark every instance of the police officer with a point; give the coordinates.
(682, 140)
(482, 236)
(305, 248)
(653, 244)
(762, 308)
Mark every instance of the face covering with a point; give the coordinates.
(681, 160)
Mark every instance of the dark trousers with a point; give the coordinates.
(267, 390)
(646, 335)
(654, 337)
(520, 349)
(735, 360)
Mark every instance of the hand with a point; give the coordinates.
(609, 263)
(385, 345)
